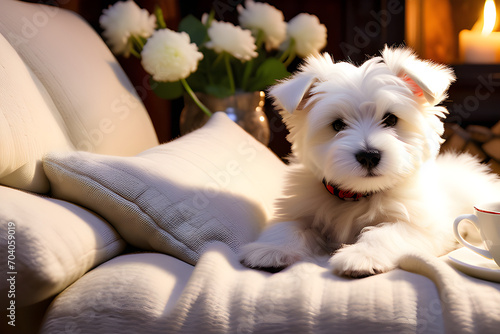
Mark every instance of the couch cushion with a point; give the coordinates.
(120, 296)
(51, 244)
(70, 89)
(216, 184)
(30, 124)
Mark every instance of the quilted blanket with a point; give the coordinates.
(426, 295)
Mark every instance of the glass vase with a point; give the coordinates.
(245, 108)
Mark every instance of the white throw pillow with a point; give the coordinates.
(48, 244)
(216, 184)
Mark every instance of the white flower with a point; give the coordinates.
(170, 55)
(122, 20)
(227, 37)
(308, 33)
(264, 17)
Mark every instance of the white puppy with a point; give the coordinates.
(365, 182)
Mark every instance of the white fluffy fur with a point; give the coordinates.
(415, 194)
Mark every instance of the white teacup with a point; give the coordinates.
(487, 221)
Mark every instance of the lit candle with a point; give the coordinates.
(476, 46)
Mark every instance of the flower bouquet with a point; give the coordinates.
(209, 56)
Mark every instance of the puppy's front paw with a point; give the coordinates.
(359, 261)
(264, 255)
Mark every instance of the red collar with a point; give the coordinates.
(343, 194)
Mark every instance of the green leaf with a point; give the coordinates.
(267, 74)
(167, 90)
(194, 28)
(219, 91)
(197, 80)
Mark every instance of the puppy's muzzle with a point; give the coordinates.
(369, 159)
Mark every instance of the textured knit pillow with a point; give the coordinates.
(216, 184)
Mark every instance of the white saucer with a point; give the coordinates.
(474, 264)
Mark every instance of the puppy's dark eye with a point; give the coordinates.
(338, 125)
(390, 120)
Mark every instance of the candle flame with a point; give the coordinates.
(490, 15)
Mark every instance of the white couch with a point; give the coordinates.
(108, 232)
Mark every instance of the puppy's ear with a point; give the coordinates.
(424, 78)
(291, 94)
(288, 94)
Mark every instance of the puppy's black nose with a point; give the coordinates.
(369, 158)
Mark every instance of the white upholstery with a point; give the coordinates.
(64, 90)
(60, 89)
(56, 243)
(30, 124)
(134, 290)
